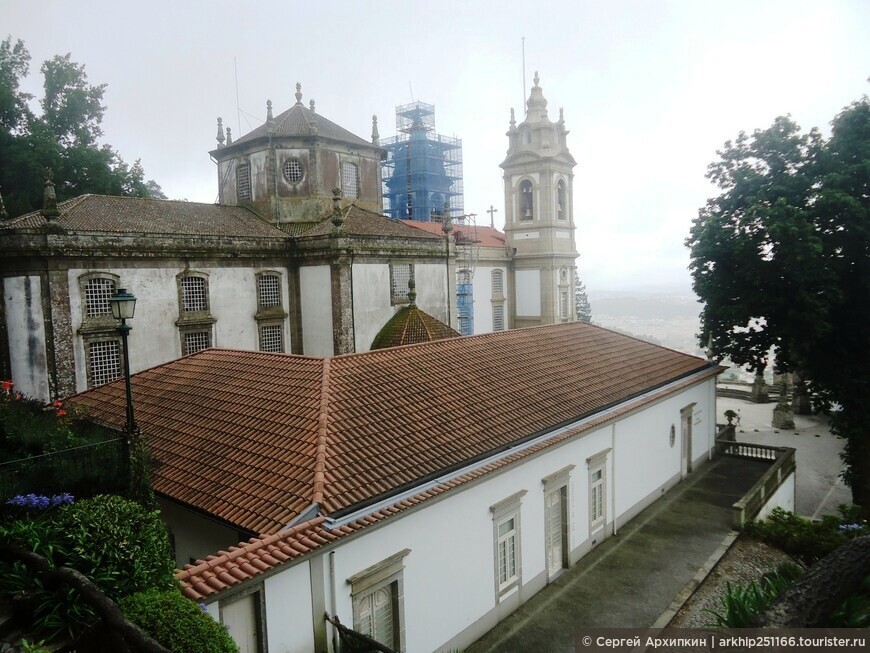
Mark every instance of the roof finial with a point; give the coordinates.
(513, 119)
(298, 93)
(229, 136)
(220, 133)
(375, 135)
(537, 79)
(446, 224)
(49, 201)
(337, 217)
(561, 116)
(269, 117)
(311, 104)
(412, 293)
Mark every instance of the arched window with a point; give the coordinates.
(526, 200)
(561, 206)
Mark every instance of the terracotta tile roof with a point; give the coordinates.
(299, 121)
(410, 326)
(249, 559)
(107, 214)
(255, 439)
(361, 222)
(483, 236)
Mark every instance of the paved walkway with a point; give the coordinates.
(631, 578)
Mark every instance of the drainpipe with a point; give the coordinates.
(613, 467)
(332, 601)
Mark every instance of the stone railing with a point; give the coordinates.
(783, 466)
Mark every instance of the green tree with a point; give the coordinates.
(64, 138)
(581, 300)
(781, 260)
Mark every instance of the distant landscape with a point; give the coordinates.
(671, 320)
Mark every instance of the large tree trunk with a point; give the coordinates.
(814, 597)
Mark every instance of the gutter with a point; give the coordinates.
(345, 517)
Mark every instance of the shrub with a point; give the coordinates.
(801, 538)
(118, 544)
(177, 623)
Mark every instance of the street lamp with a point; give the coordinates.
(123, 306)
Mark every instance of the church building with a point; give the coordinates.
(296, 257)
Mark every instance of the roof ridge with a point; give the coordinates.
(322, 437)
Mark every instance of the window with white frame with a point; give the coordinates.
(378, 605)
(349, 180)
(497, 284)
(597, 465)
(498, 317)
(243, 181)
(400, 278)
(506, 540)
(272, 338)
(195, 341)
(104, 362)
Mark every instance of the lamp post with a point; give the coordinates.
(123, 306)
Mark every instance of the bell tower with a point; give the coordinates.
(539, 216)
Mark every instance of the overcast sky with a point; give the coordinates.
(650, 90)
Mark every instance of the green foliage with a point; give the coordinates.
(581, 300)
(33, 647)
(855, 611)
(741, 604)
(122, 547)
(118, 544)
(177, 623)
(803, 539)
(780, 260)
(64, 138)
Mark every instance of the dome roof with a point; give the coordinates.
(411, 326)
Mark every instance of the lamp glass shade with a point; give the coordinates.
(123, 304)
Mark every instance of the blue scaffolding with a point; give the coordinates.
(465, 303)
(423, 170)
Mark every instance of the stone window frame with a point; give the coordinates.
(244, 164)
(271, 323)
(502, 512)
(530, 184)
(289, 162)
(193, 321)
(96, 338)
(388, 573)
(184, 333)
(98, 324)
(397, 297)
(560, 481)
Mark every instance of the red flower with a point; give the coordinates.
(7, 386)
(61, 413)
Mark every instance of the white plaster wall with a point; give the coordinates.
(316, 298)
(195, 536)
(783, 498)
(644, 458)
(25, 323)
(528, 293)
(155, 338)
(431, 280)
(288, 610)
(371, 302)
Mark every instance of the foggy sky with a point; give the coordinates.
(650, 90)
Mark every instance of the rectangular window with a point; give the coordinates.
(243, 181)
(563, 304)
(195, 341)
(377, 595)
(507, 553)
(268, 290)
(400, 278)
(104, 359)
(375, 614)
(497, 284)
(349, 180)
(272, 338)
(498, 317)
(194, 296)
(97, 294)
(596, 497)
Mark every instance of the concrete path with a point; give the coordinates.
(632, 578)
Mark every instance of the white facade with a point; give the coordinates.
(23, 299)
(445, 550)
